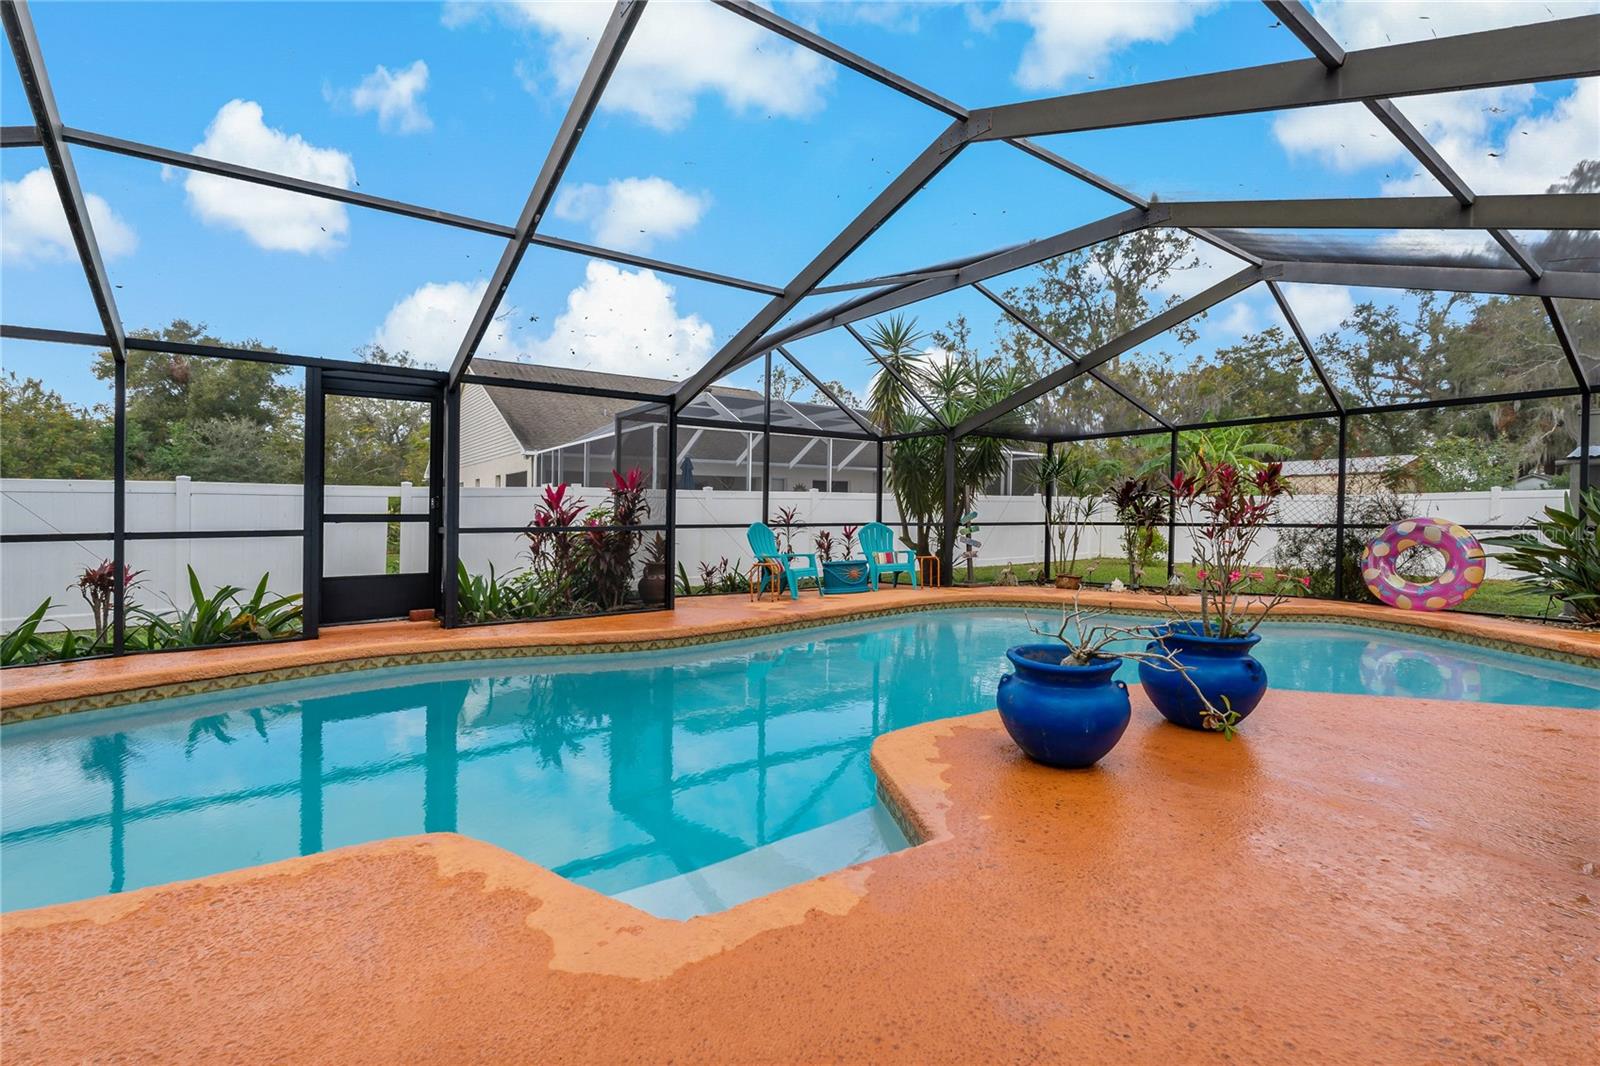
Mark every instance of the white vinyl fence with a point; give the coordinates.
(31, 572)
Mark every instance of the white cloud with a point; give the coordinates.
(395, 96)
(633, 213)
(1319, 308)
(430, 322)
(1073, 40)
(1373, 25)
(1530, 155)
(33, 228)
(1465, 127)
(273, 219)
(625, 322)
(618, 321)
(678, 53)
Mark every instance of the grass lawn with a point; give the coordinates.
(1494, 597)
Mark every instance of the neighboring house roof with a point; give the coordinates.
(1572, 457)
(1354, 464)
(546, 419)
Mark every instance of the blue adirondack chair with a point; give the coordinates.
(877, 543)
(764, 543)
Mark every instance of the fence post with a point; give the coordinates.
(947, 549)
(1339, 514)
(766, 445)
(1172, 510)
(182, 522)
(1049, 496)
(672, 507)
(119, 507)
(451, 475)
(879, 516)
(1585, 442)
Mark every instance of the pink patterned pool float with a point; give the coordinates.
(1463, 565)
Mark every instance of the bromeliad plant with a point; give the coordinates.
(1560, 555)
(218, 617)
(1228, 511)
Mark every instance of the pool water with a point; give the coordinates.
(682, 781)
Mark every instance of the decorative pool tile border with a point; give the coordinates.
(201, 686)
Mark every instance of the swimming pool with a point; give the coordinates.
(681, 781)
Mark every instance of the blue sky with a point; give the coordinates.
(717, 146)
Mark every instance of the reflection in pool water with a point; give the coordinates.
(686, 780)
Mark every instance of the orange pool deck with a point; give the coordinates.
(53, 688)
(1354, 879)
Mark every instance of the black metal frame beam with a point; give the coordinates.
(48, 126)
(816, 382)
(744, 346)
(1154, 327)
(1497, 280)
(1541, 212)
(899, 379)
(188, 161)
(1016, 315)
(1545, 51)
(1305, 344)
(19, 137)
(989, 266)
(1306, 27)
(607, 52)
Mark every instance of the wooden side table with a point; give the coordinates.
(765, 572)
(925, 565)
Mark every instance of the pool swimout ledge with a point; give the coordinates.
(59, 688)
(1422, 867)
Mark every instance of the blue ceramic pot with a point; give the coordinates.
(1066, 716)
(1219, 667)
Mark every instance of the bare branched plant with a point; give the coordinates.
(1086, 641)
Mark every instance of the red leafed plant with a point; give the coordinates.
(97, 585)
(553, 555)
(1229, 509)
(611, 549)
(848, 550)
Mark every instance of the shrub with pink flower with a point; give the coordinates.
(1228, 510)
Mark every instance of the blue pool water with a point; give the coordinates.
(681, 781)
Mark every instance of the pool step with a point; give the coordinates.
(852, 839)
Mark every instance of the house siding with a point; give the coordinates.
(488, 447)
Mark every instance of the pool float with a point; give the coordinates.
(1463, 565)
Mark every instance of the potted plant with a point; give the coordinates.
(653, 583)
(1064, 706)
(1227, 511)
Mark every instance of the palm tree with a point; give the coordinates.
(895, 341)
(958, 386)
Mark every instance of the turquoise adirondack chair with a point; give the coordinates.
(877, 543)
(764, 543)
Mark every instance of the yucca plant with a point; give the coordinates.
(1560, 555)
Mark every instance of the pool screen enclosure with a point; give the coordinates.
(1539, 257)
